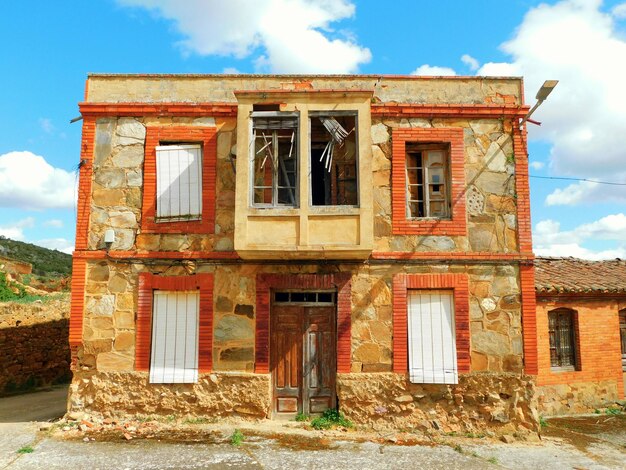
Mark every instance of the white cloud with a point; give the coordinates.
(54, 223)
(470, 62)
(60, 244)
(15, 230)
(46, 125)
(549, 240)
(586, 192)
(294, 35)
(535, 165)
(433, 71)
(230, 70)
(27, 181)
(584, 119)
(619, 11)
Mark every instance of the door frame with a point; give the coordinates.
(266, 282)
(304, 305)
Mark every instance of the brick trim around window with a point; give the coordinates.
(459, 284)
(155, 135)
(149, 282)
(266, 282)
(401, 225)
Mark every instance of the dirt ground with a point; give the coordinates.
(590, 442)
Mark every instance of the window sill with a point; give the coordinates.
(563, 369)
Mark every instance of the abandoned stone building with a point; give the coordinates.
(262, 246)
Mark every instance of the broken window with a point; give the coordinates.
(333, 159)
(562, 332)
(275, 159)
(428, 181)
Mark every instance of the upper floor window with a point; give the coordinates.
(275, 159)
(427, 181)
(334, 159)
(562, 331)
(178, 182)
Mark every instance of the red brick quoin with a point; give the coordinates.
(149, 282)
(459, 284)
(155, 135)
(266, 282)
(457, 224)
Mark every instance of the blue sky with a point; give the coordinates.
(47, 49)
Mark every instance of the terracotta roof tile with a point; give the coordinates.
(578, 276)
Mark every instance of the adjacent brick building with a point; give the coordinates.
(581, 333)
(287, 244)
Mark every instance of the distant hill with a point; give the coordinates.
(45, 262)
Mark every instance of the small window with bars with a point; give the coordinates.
(562, 331)
(274, 147)
(179, 182)
(427, 181)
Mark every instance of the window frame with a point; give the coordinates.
(574, 358)
(180, 218)
(456, 223)
(449, 375)
(351, 113)
(252, 160)
(160, 135)
(425, 170)
(148, 283)
(459, 284)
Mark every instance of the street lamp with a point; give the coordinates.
(542, 95)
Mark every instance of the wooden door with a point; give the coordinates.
(302, 353)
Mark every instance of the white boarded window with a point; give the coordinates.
(179, 182)
(174, 357)
(432, 340)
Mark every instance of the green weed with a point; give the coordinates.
(542, 422)
(331, 418)
(237, 438)
(302, 417)
(492, 460)
(26, 450)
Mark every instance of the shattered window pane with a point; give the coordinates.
(334, 176)
(275, 141)
(427, 181)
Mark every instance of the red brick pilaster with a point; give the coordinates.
(529, 318)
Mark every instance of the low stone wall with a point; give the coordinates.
(34, 349)
(217, 394)
(499, 402)
(573, 398)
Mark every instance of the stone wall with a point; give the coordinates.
(214, 395)
(501, 402)
(34, 349)
(111, 300)
(573, 398)
(489, 175)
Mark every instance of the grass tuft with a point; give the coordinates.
(237, 438)
(331, 418)
(26, 450)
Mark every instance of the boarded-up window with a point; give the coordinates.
(561, 327)
(432, 340)
(174, 356)
(179, 182)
